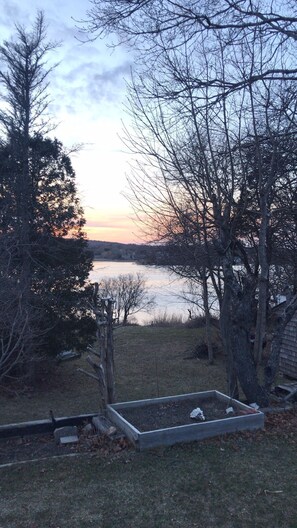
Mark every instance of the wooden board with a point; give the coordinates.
(288, 353)
(41, 426)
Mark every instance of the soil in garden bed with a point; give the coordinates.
(174, 413)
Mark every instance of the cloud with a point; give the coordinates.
(88, 75)
(79, 84)
(92, 83)
(10, 12)
(112, 234)
(109, 82)
(113, 222)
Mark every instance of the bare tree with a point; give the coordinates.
(151, 25)
(209, 157)
(130, 293)
(211, 110)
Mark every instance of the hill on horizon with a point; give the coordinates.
(104, 250)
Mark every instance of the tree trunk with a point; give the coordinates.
(238, 306)
(262, 283)
(225, 327)
(244, 362)
(246, 368)
(207, 318)
(109, 354)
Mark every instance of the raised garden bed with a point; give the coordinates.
(166, 421)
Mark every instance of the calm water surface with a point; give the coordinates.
(164, 286)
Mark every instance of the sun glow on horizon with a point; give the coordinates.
(113, 226)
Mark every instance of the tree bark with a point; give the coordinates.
(207, 318)
(239, 297)
(263, 281)
(109, 362)
(225, 327)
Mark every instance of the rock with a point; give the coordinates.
(103, 426)
(88, 429)
(111, 431)
(64, 432)
(68, 440)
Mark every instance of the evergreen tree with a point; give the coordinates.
(44, 263)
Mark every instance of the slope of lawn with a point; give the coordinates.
(237, 481)
(243, 481)
(149, 361)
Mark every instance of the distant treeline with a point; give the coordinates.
(164, 255)
(135, 252)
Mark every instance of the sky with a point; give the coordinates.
(87, 91)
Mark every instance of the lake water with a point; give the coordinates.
(164, 286)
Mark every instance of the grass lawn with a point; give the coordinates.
(243, 482)
(149, 361)
(237, 481)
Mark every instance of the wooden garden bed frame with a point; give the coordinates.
(185, 433)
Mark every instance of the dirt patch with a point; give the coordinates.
(32, 447)
(174, 413)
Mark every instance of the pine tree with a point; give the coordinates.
(44, 263)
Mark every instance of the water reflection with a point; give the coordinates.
(164, 286)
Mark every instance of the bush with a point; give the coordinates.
(165, 320)
(199, 322)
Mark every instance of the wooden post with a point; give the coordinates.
(103, 348)
(109, 353)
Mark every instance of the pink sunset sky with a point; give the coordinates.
(87, 92)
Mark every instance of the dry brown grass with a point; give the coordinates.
(239, 481)
(227, 483)
(149, 362)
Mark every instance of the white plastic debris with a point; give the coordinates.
(254, 406)
(229, 410)
(197, 414)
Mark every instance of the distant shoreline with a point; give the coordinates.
(117, 252)
(98, 259)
